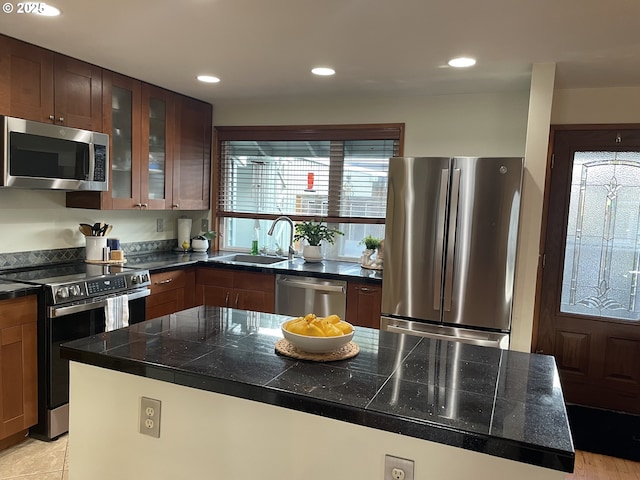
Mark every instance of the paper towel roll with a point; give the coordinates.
(184, 231)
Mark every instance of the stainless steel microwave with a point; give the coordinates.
(46, 156)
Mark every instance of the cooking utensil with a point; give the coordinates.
(96, 228)
(107, 230)
(86, 229)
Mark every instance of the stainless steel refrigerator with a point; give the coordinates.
(450, 247)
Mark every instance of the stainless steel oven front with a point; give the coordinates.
(63, 323)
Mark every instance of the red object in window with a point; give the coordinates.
(310, 181)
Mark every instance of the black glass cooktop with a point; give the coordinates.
(68, 272)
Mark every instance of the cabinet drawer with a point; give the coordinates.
(165, 281)
(18, 311)
(215, 276)
(262, 282)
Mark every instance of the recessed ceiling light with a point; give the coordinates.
(462, 62)
(47, 10)
(324, 71)
(208, 79)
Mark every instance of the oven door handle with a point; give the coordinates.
(55, 312)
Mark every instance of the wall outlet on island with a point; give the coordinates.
(149, 422)
(396, 468)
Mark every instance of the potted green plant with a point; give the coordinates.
(200, 243)
(371, 244)
(314, 233)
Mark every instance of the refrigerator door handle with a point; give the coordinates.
(442, 205)
(451, 240)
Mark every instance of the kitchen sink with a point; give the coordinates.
(249, 259)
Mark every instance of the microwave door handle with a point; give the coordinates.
(92, 162)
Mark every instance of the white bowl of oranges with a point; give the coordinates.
(317, 334)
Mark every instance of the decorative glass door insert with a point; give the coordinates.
(602, 251)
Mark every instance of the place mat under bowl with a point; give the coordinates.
(285, 348)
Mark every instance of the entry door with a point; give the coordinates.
(590, 303)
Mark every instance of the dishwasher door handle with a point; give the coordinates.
(311, 286)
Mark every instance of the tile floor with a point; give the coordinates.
(35, 460)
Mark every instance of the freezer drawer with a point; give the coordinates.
(297, 296)
(464, 335)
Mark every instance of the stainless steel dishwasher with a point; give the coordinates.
(297, 296)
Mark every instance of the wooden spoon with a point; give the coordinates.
(86, 229)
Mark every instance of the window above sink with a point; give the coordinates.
(334, 173)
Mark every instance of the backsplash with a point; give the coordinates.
(62, 255)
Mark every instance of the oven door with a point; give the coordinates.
(66, 323)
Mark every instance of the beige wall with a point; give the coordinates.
(488, 124)
(206, 435)
(596, 106)
(39, 220)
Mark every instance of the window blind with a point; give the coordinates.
(338, 174)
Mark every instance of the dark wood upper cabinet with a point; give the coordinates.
(160, 141)
(77, 94)
(192, 155)
(38, 84)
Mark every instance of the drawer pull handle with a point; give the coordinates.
(366, 289)
(237, 297)
(226, 300)
(163, 282)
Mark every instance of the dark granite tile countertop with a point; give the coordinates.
(332, 269)
(10, 289)
(502, 403)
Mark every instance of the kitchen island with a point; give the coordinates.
(233, 408)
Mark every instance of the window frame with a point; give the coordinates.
(378, 131)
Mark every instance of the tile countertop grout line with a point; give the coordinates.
(395, 369)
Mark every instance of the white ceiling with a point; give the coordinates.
(265, 48)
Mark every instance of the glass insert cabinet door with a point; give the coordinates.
(157, 148)
(158, 127)
(602, 250)
(122, 142)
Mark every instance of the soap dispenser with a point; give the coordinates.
(256, 236)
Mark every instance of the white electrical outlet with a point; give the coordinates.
(204, 225)
(396, 468)
(159, 225)
(150, 417)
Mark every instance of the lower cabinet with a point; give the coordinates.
(364, 304)
(18, 365)
(223, 287)
(171, 292)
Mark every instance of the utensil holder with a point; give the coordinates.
(95, 247)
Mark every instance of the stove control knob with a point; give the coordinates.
(63, 292)
(145, 277)
(74, 290)
(135, 279)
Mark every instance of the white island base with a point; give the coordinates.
(206, 435)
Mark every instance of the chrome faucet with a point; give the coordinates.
(292, 251)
